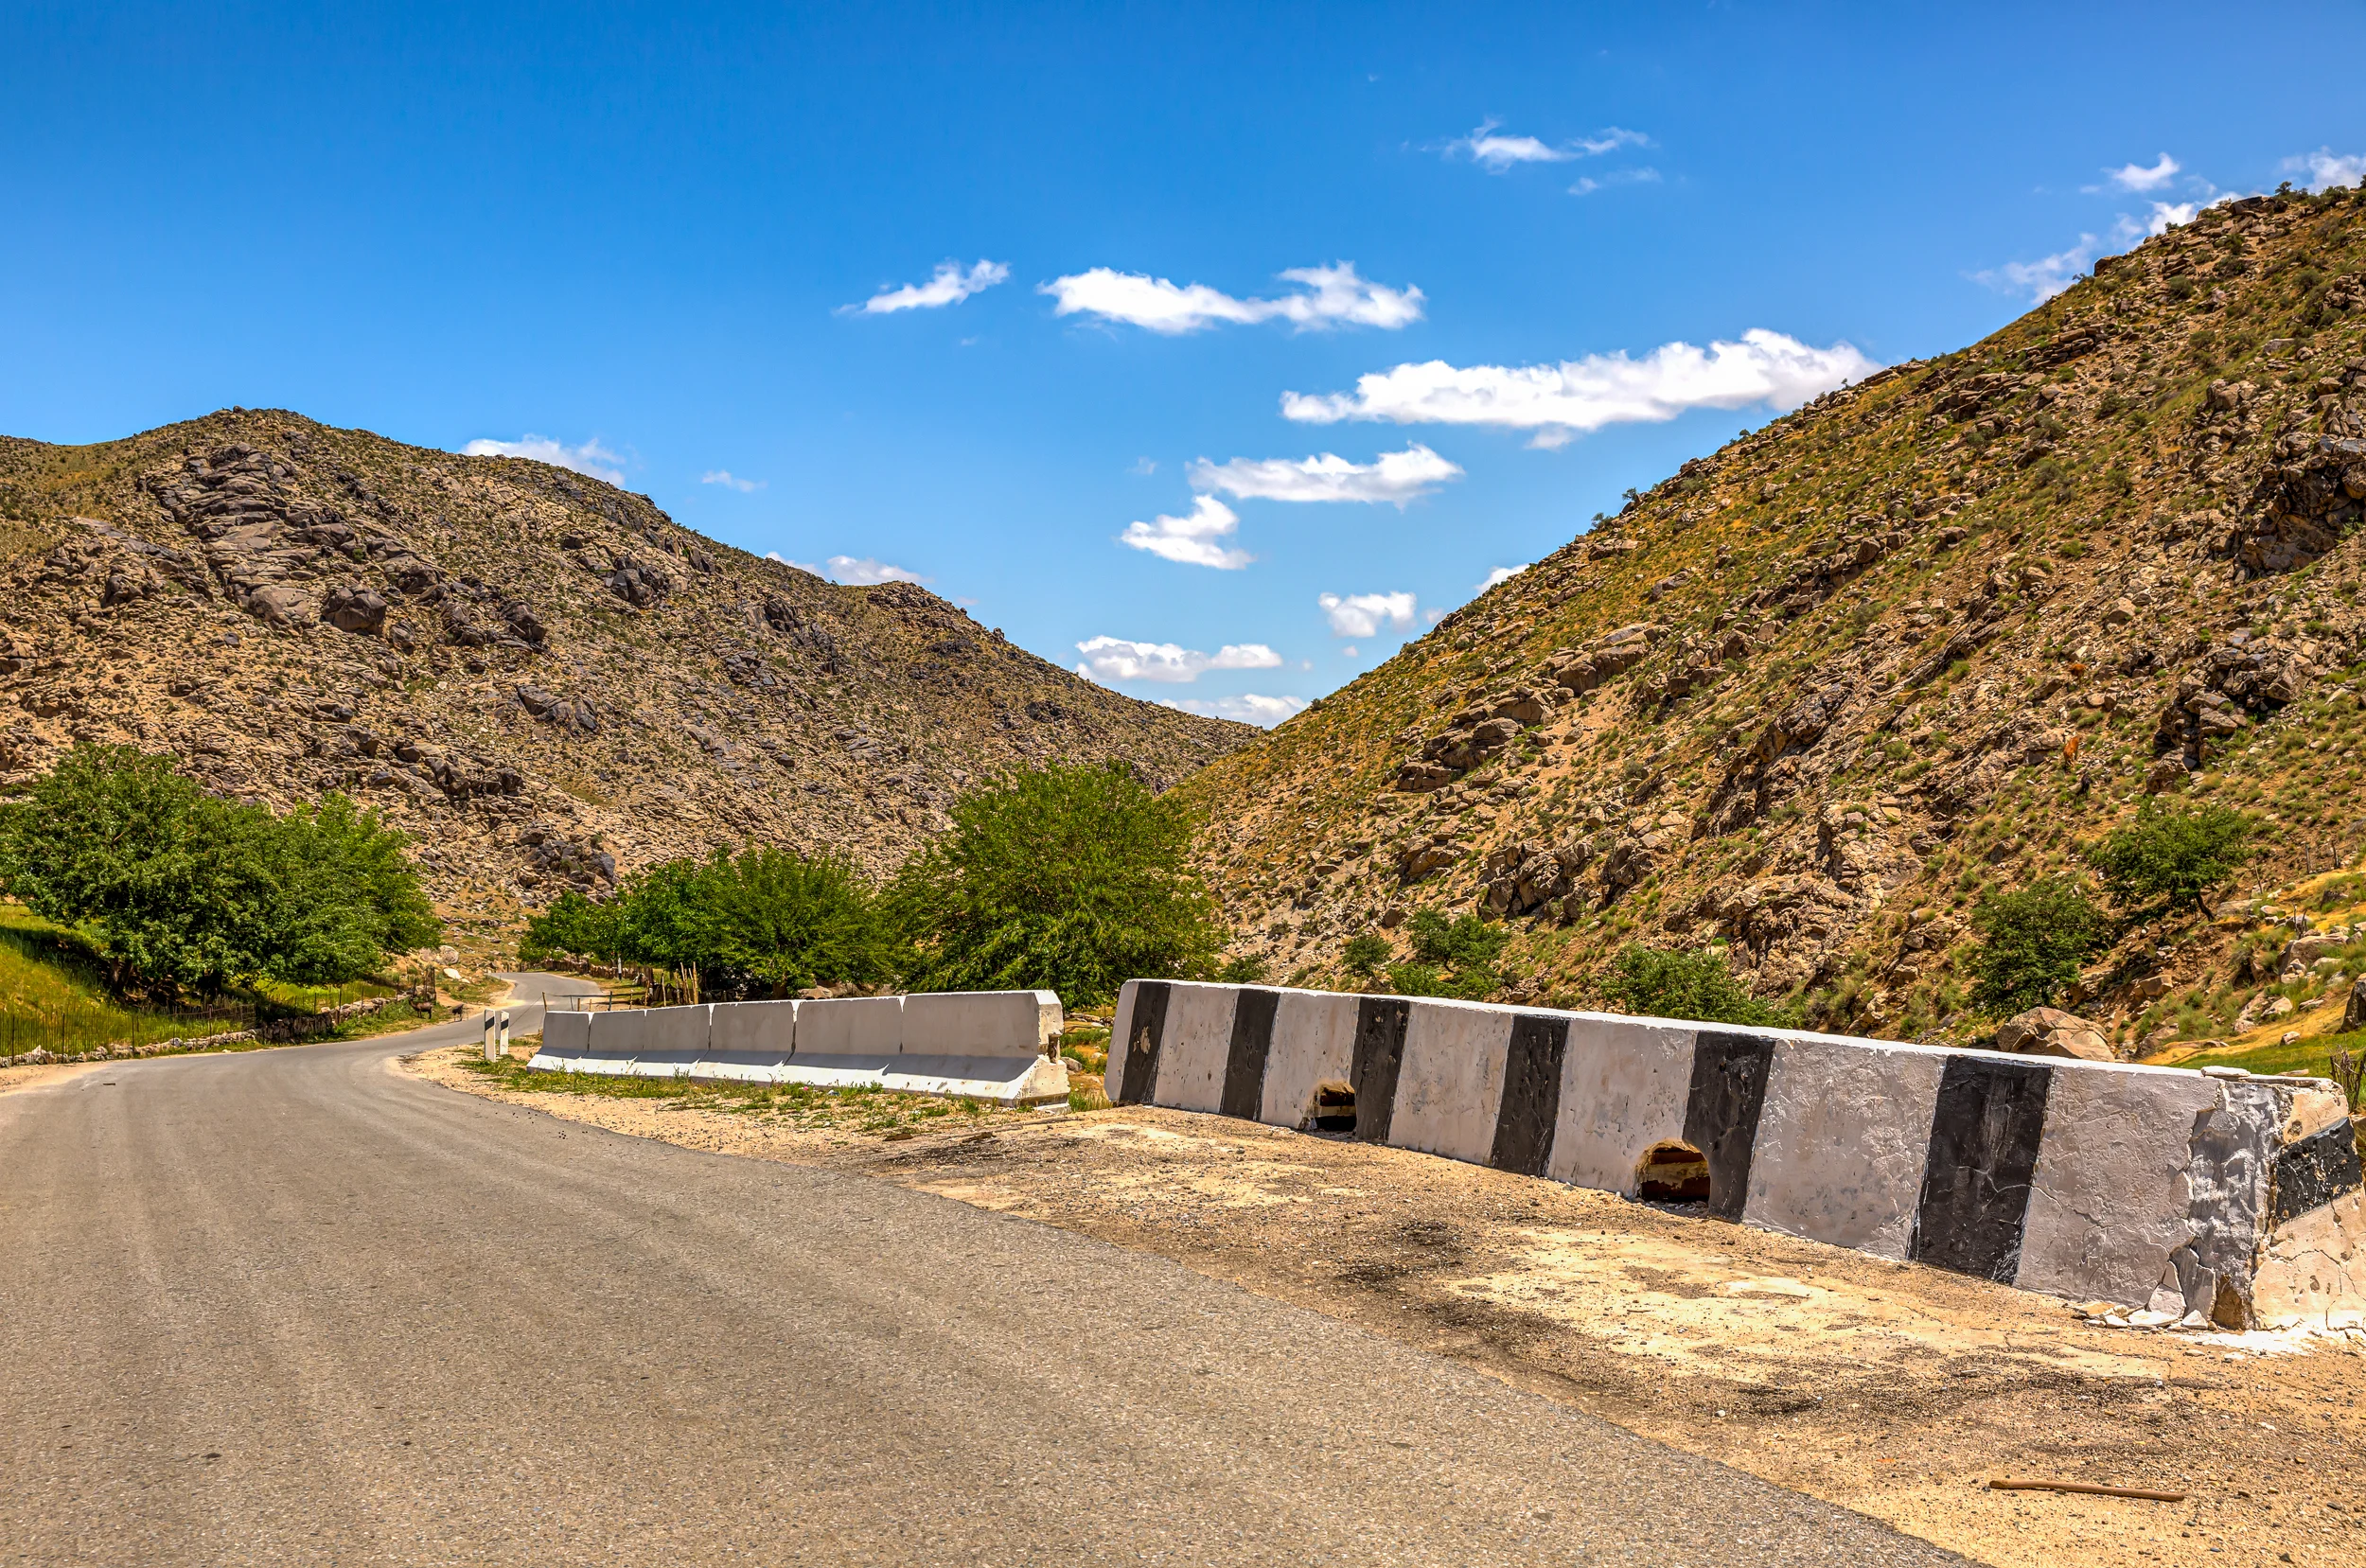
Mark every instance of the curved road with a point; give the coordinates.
(293, 1307)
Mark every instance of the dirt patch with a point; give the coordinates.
(15, 1079)
(1894, 1390)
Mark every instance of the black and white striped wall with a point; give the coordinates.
(2231, 1197)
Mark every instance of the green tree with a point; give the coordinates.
(1451, 958)
(575, 924)
(1069, 878)
(765, 920)
(175, 889)
(1365, 953)
(2032, 943)
(2175, 854)
(1698, 985)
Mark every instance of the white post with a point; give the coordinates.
(504, 1039)
(492, 1031)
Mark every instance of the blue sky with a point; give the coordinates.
(652, 238)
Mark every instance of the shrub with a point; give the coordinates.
(2032, 944)
(1069, 878)
(176, 889)
(1695, 985)
(1366, 953)
(1248, 969)
(2174, 853)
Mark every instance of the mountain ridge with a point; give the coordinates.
(540, 675)
(1811, 696)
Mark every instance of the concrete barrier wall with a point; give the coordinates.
(749, 1041)
(676, 1039)
(1000, 1046)
(566, 1040)
(2201, 1196)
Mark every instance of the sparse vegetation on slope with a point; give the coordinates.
(1927, 640)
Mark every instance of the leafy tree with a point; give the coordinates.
(575, 924)
(1451, 958)
(1697, 985)
(2032, 943)
(175, 889)
(2175, 854)
(1069, 878)
(1365, 953)
(765, 920)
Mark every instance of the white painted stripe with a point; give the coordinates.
(1624, 1086)
(2110, 1197)
(1450, 1084)
(1121, 1037)
(1192, 1051)
(1843, 1140)
(1314, 1043)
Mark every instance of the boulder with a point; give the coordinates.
(2354, 1015)
(356, 609)
(2050, 1032)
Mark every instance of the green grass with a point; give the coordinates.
(2311, 1057)
(861, 1108)
(53, 997)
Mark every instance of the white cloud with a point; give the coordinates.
(1248, 707)
(591, 458)
(2046, 276)
(1192, 539)
(1363, 614)
(2326, 169)
(1394, 477)
(1108, 659)
(949, 285)
(1144, 466)
(1588, 185)
(1495, 153)
(1351, 651)
(857, 572)
(2138, 177)
(1500, 575)
(1558, 401)
(724, 477)
(1333, 297)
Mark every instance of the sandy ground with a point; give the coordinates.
(12, 1080)
(1894, 1390)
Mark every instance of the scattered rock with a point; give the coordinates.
(2050, 1032)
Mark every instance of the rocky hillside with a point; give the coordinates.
(1810, 696)
(537, 674)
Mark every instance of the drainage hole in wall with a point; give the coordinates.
(1673, 1173)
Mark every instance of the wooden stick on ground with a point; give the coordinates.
(2008, 1484)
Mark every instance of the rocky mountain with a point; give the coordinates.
(1809, 697)
(538, 675)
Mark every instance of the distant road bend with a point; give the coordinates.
(293, 1306)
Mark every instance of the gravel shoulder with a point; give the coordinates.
(1891, 1390)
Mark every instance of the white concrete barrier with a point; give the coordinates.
(2202, 1196)
(676, 1039)
(750, 1042)
(1000, 1046)
(566, 1040)
(617, 1039)
(848, 1041)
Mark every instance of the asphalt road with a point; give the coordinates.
(293, 1307)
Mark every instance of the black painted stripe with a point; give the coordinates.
(1379, 1054)
(2314, 1171)
(1984, 1134)
(1531, 1102)
(1144, 1031)
(1728, 1091)
(1244, 1059)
